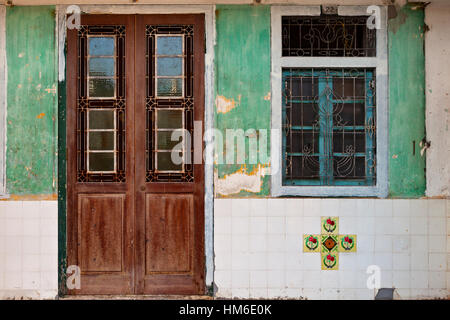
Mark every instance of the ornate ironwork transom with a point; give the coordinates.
(101, 103)
(169, 99)
(327, 35)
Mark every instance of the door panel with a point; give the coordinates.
(169, 240)
(101, 235)
(135, 218)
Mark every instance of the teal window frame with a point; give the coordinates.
(326, 101)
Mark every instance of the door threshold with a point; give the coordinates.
(135, 297)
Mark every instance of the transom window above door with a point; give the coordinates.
(329, 74)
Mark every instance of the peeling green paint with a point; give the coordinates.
(407, 104)
(242, 73)
(32, 100)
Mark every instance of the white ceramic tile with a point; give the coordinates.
(258, 243)
(276, 261)
(13, 245)
(282, 293)
(258, 279)
(347, 225)
(401, 261)
(419, 225)
(240, 279)
(31, 280)
(223, 278)
(312, 281)
(347, 208)
(419, 261)
(239, 244)
(421, 293)
(348, 262)
(31, 210)
(48, 245)
(294, 261)
(30, 245)
(13, 209)
(401, 244)
(239, 225)
(438, 293)
(364, 260)
(402, 294)
(383, 243)
(437, 280)
(277, 278)
(312, 208)
(258, 293)
(365, 225)
(312, 293)
(437, 244)
(365, 208)
(276, 225)
(276, 243)
(401, 208)
(383, 208)
(224, 292)
(294, 207)
(383, 226)
(222, 225)
(222, 261)
(258, 225)
(419, 279)
(222, 244)
(386, 279)
(329, 279)
(276, 207)
(13, 227)
(49, 280)
(401, 225)
(48, 209)
(48, 262)
(438, 261)
(13, 263)
(365, 294)
(329, 294)
(239, 261)
(31, 262)
(347, 294)
(240, 207)
(222, 208)
(258, 261)
(383, 260)
(310, 261)
(311, 225)
(401, 279)
(30, 227)
(437, 226)
(258, 207)
(294, 244)
(347, 279)
(366, 243)
(436, 208)
(294, 279)
(13, 280)
(294, 225)
(419, 208)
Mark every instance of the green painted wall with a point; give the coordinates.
(406, 103)
(31, 162)
(242, 73)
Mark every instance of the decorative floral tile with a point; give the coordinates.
(329, 243)
(330, 261)
(329, 225)
(311, 243)
(347, 243)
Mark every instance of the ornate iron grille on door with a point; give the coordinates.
(329, 127)
(169, 102)
(101, 104)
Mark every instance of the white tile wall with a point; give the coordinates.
(28, 249)
(258, 248)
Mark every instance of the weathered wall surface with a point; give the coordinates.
(32, 101)
(437, 51)
(242, 73)
(406, 103)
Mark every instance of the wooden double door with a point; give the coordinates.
(135, 200)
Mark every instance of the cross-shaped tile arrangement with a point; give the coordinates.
(329, 243)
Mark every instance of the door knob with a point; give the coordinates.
(142, 188)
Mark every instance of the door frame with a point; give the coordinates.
(60, 47)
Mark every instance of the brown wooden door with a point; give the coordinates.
(135, 215)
